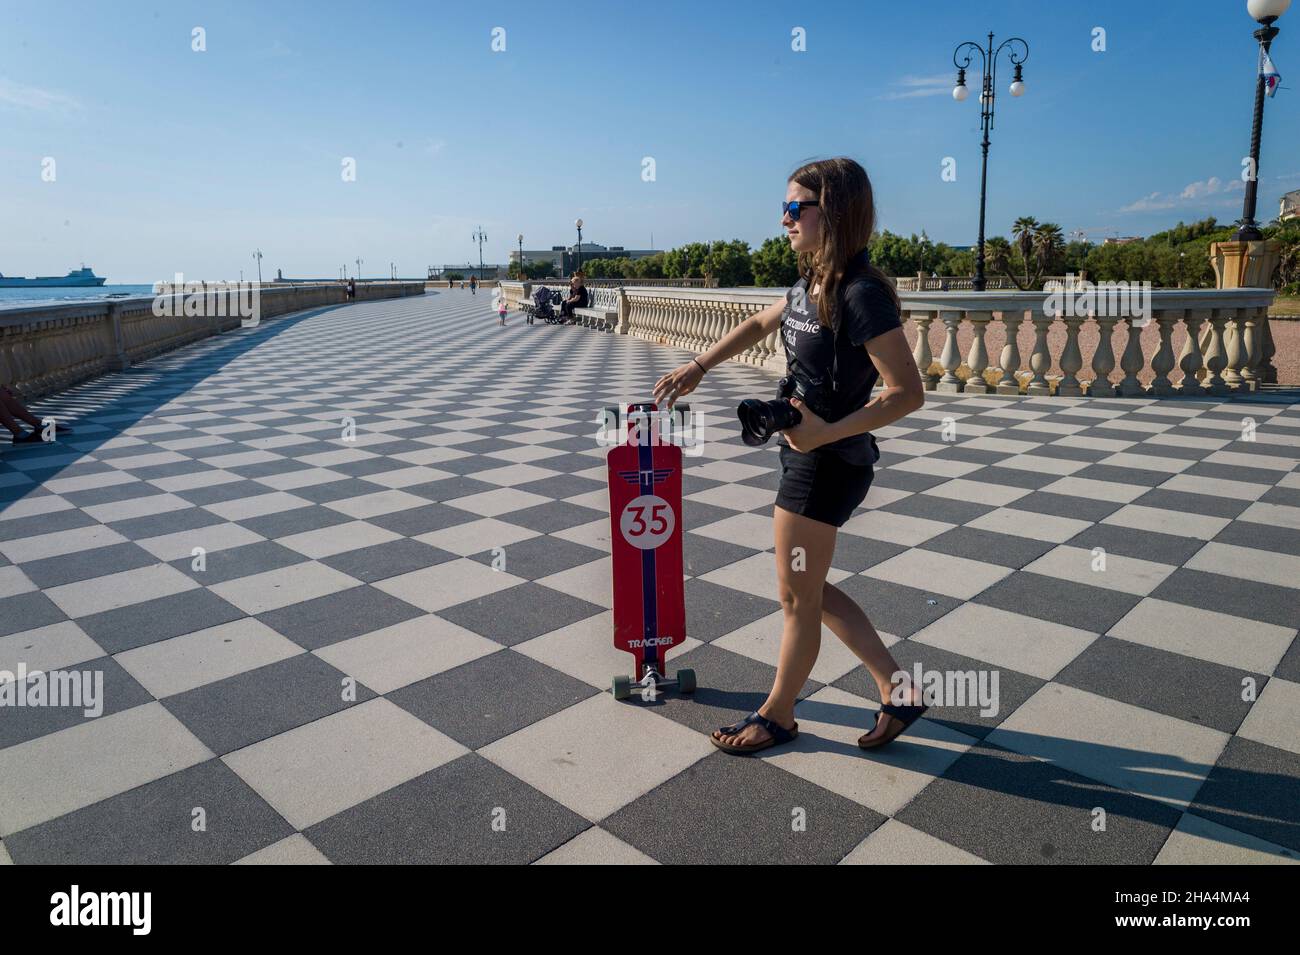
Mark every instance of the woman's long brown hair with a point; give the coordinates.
(848, 215)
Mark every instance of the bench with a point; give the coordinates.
(602, 314)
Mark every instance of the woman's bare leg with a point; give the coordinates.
(10, 404)
(803, 556)
(850, 623)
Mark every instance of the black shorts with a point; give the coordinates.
(822, 485)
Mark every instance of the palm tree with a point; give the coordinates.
(1023, 231)
(1047, 243)
(997, 253)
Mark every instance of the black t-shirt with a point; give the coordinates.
(581, 292)
(866, 310)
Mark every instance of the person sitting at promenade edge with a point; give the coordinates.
(840, 325)
(12, 410)
(578, 297)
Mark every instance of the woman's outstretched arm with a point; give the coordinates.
(683, 379)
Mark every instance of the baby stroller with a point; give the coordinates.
(543, 307)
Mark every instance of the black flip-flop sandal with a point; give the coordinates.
(779, 734)
(907, 715)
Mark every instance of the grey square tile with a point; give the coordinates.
(1252, 789)
(1241, 598)
(520, 613)
(235, 562)
(119, 691)
(258, 704)
(490, 697)
(1094, 609)
(319, 622)
(713, 611)
(1193, 690)
(153, 825)
(1006, 550)
(445, 817)
(141, 624)
(539, 556)
(381, 561)
(895, 608)
(741, 815)
(1016, 810)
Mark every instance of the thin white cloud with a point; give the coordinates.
(32, 97)
(1154, 201)
(1199, 190)
(938, 84)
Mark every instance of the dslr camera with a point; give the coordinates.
(760, 419)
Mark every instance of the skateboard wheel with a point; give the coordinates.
(622, 688)
(686, 681)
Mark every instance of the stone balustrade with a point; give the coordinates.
(1198, 341)
(49, 347)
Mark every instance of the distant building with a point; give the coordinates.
(1122, 240)
(488, 271)
(1290, 206)
(564, 258)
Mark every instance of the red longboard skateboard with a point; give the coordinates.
(645, 509)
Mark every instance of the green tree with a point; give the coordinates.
(1023, 231)
(775, 264)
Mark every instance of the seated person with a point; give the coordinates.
(12, 411)
(578, 297)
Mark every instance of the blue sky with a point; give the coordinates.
(172, 160)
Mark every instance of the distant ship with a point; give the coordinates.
(77, 278)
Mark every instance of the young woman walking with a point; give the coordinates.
(841, 327)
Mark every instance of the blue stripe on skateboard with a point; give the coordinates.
(649, 592)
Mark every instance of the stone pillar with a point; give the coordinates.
(1040, 360)
(1131, 362)
(978, 358)
(1162, 363)
(117, 359)
(1190, 359)
(1245, 264)
(1071, 360)
(921, 350)
(951, 357)
(1216, 355)
(1010, 358)
(1103, 361)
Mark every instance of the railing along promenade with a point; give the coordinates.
(46, 348)
(1192, 342)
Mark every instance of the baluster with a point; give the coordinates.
(1010, 358)
(1267, 370)
(921, 351)
(1071, 359)
(1251, 355)
(1131, 361)
(951, 357)
(1103, 360)
(1216, 356)
(1232, 337)
(977, 360)
(1040, 360)
(1190, 360)
(1163, 361)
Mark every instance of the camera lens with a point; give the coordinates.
(760, 419)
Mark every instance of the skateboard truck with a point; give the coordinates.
(645, 504)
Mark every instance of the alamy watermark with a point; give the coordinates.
(209, 300)
(80, 689)
(670, 426)
(1076, 298)
(948, 688)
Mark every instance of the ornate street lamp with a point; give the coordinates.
(520, 237)
(1265, 11)
(480, 237)
(578, 223)
(1017, 52)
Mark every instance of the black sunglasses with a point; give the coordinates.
(792, 209)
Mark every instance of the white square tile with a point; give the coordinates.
(319, 769)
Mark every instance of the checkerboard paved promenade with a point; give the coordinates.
(342, 675)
